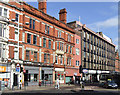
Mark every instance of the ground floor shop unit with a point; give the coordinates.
(5, 73)
(59, 73)
(16, 76)
(72, 74)
(92, 75)
(34, 75)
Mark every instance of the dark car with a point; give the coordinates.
(110, 84)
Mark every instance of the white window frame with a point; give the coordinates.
(77, 51)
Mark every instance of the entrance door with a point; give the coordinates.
(15, 83)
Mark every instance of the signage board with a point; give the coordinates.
(17, 69)
(85, 71)
(2, 68)
(18, 65)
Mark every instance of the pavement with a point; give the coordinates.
(31, 88)
(64, 88)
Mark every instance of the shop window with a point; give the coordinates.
(35, 77)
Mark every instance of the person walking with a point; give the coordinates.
(58, 83)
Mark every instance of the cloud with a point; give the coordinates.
(111, 22)
(115, 40)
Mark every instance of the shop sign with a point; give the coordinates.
(2, 68)
(85, 71)
(92, 71)
(105, 71)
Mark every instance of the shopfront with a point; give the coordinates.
(92, 75)
(31, 76)
(46, 75)
(4, 73)
(72, 75)
(59, 73)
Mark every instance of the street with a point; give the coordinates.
(88, 90)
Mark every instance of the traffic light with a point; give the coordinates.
(21, 69)
(80, 69)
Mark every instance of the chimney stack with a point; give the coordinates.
(63, 15)
(42, 5)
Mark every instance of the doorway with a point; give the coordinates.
(15, 82)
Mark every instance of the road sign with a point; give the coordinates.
(18, 65)
(18, 69)
(24, 71)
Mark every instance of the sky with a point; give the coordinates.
(98, 16)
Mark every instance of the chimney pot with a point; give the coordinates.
(42, 5)
(63, 15)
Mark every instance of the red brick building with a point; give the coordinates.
(117, 62)
(38, 43)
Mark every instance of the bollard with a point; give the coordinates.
(45, 83)
(20, 86)
(12, 87)
(82, 86)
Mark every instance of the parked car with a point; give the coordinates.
(109, 84)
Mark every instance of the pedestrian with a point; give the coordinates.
(58, 83)
(74, 79)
